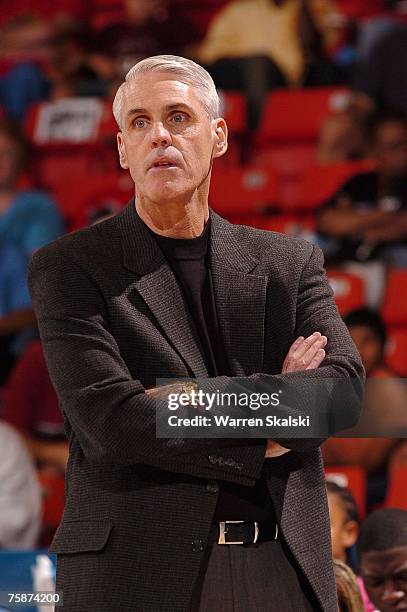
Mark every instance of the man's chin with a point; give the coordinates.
(167, 192)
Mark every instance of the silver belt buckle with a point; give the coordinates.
(222, 532)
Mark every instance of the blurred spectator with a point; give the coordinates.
(349, 596)
(256, 45)
(25, 49)
(71, 70)
(344, 518)
(342, 138)
(367, 218)
(30, 404)
(28, 220)
(20, 494)
(149, 28)
(384, 406)
(383, 413)
(368, 332)
(380, 80)
(382, 550)
(62, 12)
(16, 313)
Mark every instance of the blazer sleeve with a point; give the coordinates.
(112, 417)
(330, 395)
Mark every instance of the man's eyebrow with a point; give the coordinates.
(169, 107)
(179, 105)
(136, 111)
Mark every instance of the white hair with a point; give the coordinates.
(192, 73)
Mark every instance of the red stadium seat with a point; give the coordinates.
(106, 12)
(293, 225)
(396, 496)
(297, 115)
(349, 290)
(73, 139)
(394, 308)
(44, 9)
(233, 109)
(244, 191)
(320, 182)
(355, 9)
(68, 121)
(289, 159)
(396, 350)
(80, 200)
(354, 478)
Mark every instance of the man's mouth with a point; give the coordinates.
(162, 164)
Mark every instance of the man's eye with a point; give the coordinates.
(179, 117)
(139, 123)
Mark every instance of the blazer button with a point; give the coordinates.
(198, 545)
(212, 486)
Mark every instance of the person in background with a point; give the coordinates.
(25, 50)
(349, 595)
(31, 406)
(28, 220)
(379, 80)
(367, 218)
(20, 494)
(342, 138)
(369, 333)
(382, 548)
(149, 28)
(16, 313)
(257, 45)
(344, 518)
(384, 406)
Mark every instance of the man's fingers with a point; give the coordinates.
(303, 353)
(317, 360)
(309, 355)
(307, 343)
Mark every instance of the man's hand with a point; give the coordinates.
(304, 354)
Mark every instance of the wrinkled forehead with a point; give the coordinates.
(155, 90)
(384, 562)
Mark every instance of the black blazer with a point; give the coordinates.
(112, 320)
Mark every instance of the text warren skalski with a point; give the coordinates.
(232, 422)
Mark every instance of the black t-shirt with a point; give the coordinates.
(367, 192)
(190, 261)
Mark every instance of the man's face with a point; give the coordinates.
(385, 577)
(167, 139)
(369, 346)
(391, 148)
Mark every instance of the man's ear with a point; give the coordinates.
(221, 137)
(122, 151)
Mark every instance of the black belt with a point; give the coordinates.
(242, 532)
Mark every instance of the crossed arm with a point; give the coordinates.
(113, 418)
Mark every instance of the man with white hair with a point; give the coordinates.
(167, 289)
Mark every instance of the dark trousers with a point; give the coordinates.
(251, 578)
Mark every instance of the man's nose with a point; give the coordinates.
(160, 136)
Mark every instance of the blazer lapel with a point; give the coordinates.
(239, 295)
(158, 287)
(240, 298)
